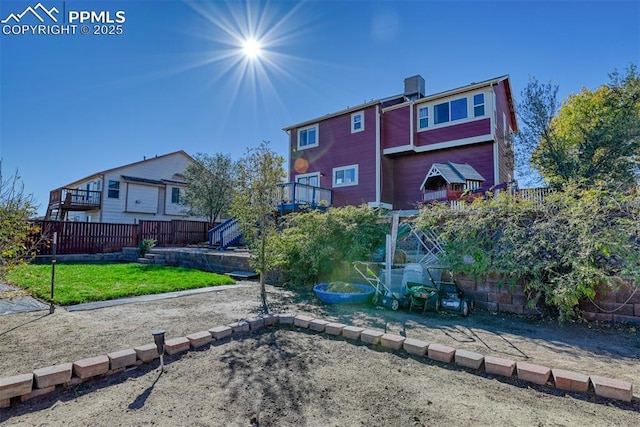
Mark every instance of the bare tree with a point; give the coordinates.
(19, 235)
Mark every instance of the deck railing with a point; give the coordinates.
(73, 198)
(294, 193)
(431, 196)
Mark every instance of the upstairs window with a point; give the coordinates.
(423, 117)
(440, 113)
(357, 122)
(345, 176)
(175, 195)
(450, 111)
(459, 109)
(478, 105)
(114, 190)
(308, 137)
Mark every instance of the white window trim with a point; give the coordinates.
(353, 115)
(483, 104)
(419, 118)
(470, 117)
(308, 175)
(179, 195)
(317, 128)
(342, 168)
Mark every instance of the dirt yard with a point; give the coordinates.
(280, 377)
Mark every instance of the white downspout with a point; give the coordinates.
(411, 143)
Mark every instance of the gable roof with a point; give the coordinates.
(104, 172)
(453, 173)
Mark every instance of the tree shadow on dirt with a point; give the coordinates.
(497, 332)
(24, 324)
(72, 393)
(266, 376)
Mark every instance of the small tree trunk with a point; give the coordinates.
(263, 293)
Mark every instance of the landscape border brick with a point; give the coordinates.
(199, 339)
(147, 352)
(441, 353)
(43, 381)
(333, 328)
(53, 375)
(392, 341)
(612, 388)
(16, 385)
(499, 366)
(570, 381)
(122, 359)
(371, 336)
(469, 359)
(91, 367)
(532, 373)
(176, 345)
(302, 321)
(415, 347)
(220, 332)
(318, 325)
(352, 332)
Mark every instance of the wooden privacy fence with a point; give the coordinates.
(100, 237)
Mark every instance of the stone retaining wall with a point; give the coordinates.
(43, 381)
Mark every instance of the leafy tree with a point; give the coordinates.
(19, 237)
(254, 206)
(560, 248)
(210, 185)
(595, 135)
(314, 244)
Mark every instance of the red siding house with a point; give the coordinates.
(400, 151)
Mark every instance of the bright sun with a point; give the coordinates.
(251, 48)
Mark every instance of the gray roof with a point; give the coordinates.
(453, 173)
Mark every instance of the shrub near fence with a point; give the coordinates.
(99, 237)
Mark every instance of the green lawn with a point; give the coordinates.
(78, 283)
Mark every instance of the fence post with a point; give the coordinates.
(136, 235)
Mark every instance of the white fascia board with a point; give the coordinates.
(439, 146)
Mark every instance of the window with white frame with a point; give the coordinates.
(450, 111)
(478, 105)
(345, 176)
(308, 137)
(423, 117)
(175, 195)
(357, 122)
(114, 189)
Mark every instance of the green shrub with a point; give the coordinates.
(145, 245)
(561, 249)
(314, 244)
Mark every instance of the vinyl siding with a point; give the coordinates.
(454, 132)
(338, 147)
(409, 171)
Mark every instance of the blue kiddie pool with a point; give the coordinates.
(326, 297)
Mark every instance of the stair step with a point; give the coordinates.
(146, 261)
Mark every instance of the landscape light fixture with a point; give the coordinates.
(158, 338)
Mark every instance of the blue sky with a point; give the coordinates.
(176, 78)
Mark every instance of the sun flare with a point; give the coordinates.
(251, 48)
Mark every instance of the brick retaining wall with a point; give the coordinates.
(622, 305)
